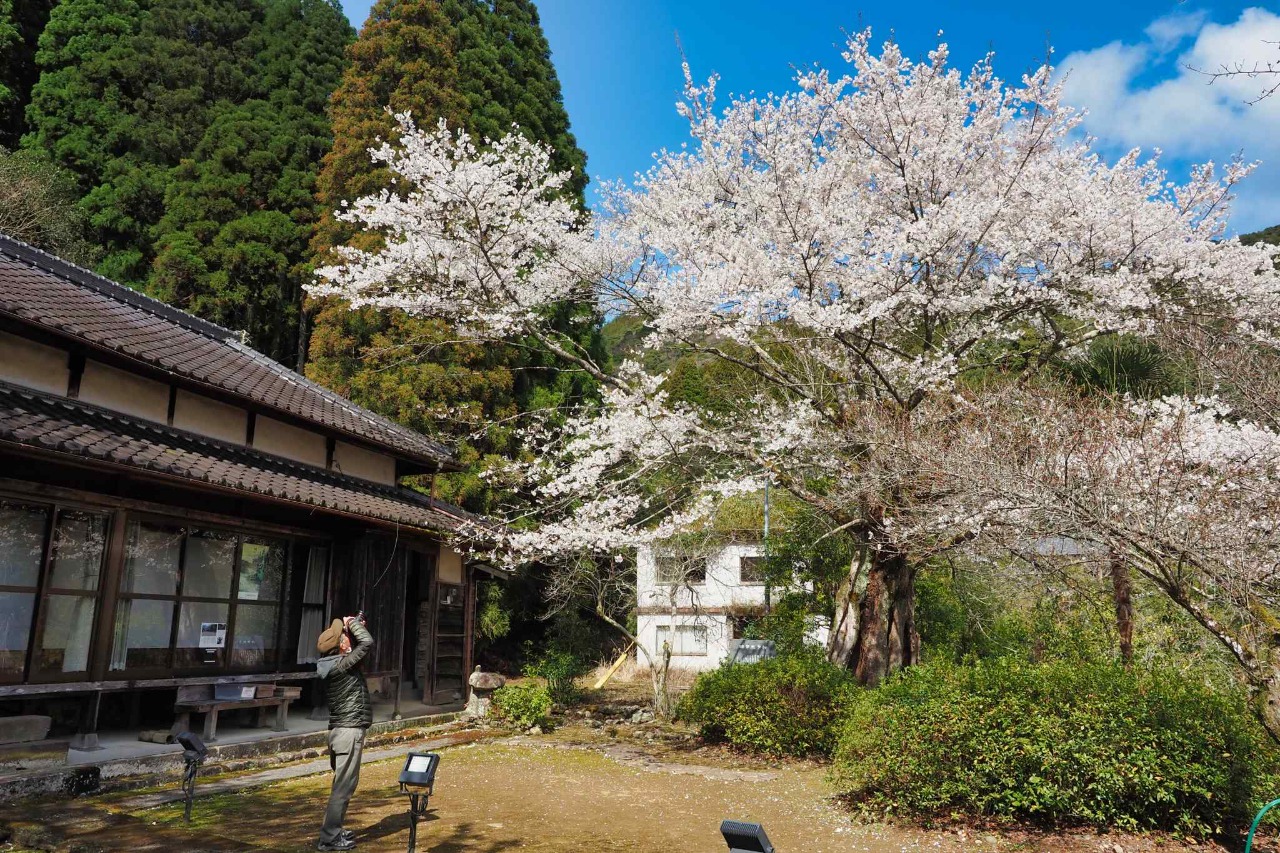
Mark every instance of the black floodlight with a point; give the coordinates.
(419, 770)
(192, 744)
(418, 781)
(745, 837)
(194, 752)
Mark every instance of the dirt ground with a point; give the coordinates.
(577, 789)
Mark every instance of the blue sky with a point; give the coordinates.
(619, 66)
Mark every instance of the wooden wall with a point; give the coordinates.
(369, 573)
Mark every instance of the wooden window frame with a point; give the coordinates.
(119, 514)
(272, 663)
(685, 574)
(759, 560)
(325, 605)
(42, 591)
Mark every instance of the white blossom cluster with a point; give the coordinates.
(867, 253)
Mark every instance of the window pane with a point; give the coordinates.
(689, 639)
(261, 569)
(141, 638)
(751, 569)
(64, 639)
(678, 568)
(317, 564)
(210, 563)
(256, 636)
(313, 623)
(78, 542)
(202, 635)
(15, 628)
(151, 559)
(21, 543)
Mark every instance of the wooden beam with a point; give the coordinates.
(39, 491)
(11, 691)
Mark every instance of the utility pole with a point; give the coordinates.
(768, 591)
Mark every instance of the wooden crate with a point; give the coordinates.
(266, 691)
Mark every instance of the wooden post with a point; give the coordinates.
(86, 737)
(108, 596)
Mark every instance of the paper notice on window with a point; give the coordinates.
(213, 635)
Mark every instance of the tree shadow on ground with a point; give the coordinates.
(460, 838)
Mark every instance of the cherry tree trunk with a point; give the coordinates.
(843, 643)
(1122, 591)
(875, 632)
(1267, 705)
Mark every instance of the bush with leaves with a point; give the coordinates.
(1060, 743)
(788, 705)
(559, 669)
(784, 624)
(523, 705)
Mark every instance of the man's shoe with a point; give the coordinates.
(343, 843)
(347, 835)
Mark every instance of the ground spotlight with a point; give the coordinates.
(194, 753)
(417, 781)
(745, 837)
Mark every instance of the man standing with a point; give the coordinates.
(345, 644)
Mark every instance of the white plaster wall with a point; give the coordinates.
(722, 588)
(449, 565)
(365, 464)
(124, 392)
(272, 436)
(32, 365)
(210, 417)
(719, 635)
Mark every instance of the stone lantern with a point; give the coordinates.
(482, 686)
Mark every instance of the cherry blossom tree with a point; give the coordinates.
(871, 254)
(1186, 492)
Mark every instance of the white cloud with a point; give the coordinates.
(1149, 95)
(1168, 32)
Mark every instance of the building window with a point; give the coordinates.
(751, 570)
(194, 598)
(49, 575)
(314, 595)
(689, 639)
(260, 597)
(22, 537)
(71, 600)
(677, 568)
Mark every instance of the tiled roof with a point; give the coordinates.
(46, 291)
(64, 426)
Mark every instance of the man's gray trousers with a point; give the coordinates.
(345, 749)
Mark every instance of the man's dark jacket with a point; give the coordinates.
(349, 704)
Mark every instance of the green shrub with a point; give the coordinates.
(784, 706)
(523, 705)
(784, 624)
(1054, 743)
(559, 669)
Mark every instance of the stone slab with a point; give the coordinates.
(24, 728)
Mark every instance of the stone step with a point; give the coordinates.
(132, 773)
(294, 771)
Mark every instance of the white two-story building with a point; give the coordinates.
(696, 600)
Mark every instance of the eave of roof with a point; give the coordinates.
(56, 296)
(48, 424)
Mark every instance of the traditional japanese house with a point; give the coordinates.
(177, 509)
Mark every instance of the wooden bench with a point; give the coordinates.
(204, 699)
